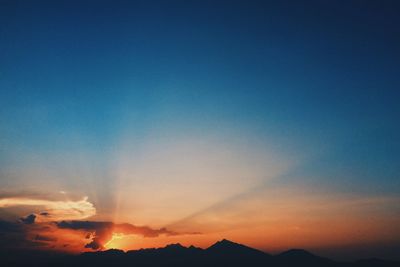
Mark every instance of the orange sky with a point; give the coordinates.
(271, 220)
(193, 191)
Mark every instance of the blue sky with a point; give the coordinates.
(323, 73)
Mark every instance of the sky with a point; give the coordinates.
(130, 124)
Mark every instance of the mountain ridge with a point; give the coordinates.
(221, 253)
(226, 251)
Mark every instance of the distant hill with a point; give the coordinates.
(294, 257)
(222, 253)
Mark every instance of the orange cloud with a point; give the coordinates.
(53, 210)
(101, 233)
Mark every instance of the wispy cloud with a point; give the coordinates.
(53, 210)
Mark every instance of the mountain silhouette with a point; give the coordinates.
(295, 256)
(222, 253)
(228, 247)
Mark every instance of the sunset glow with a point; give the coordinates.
(114, 242)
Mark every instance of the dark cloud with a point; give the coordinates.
(126, 228)
(100, 238)
(26, 234)
(14, 235)
(45, 238)
(99, 232)
(44, 214)
(84, 225)
(9, 227)
(30, 219)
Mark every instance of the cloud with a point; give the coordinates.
(45, 238)
(100, 237)
(84, 225)
(53, 210)
(9, 227)
(15, 235)
(79, 235)
(37, 229)
(28, 219)
(101, 232)
(145, 231)
(51, 223)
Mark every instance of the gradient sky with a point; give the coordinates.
(271, 123)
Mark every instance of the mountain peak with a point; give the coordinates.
(227, 242)
(301, 255)
(224, 243)
(175, 246)
(229, 247)
(194, 248)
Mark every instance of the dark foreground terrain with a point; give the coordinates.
(222, 253)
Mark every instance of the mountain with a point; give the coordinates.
(294, 257)
(231, 248)
(222, 253)
(228, 253)
(172, 252)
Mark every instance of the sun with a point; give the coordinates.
(114, 242)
